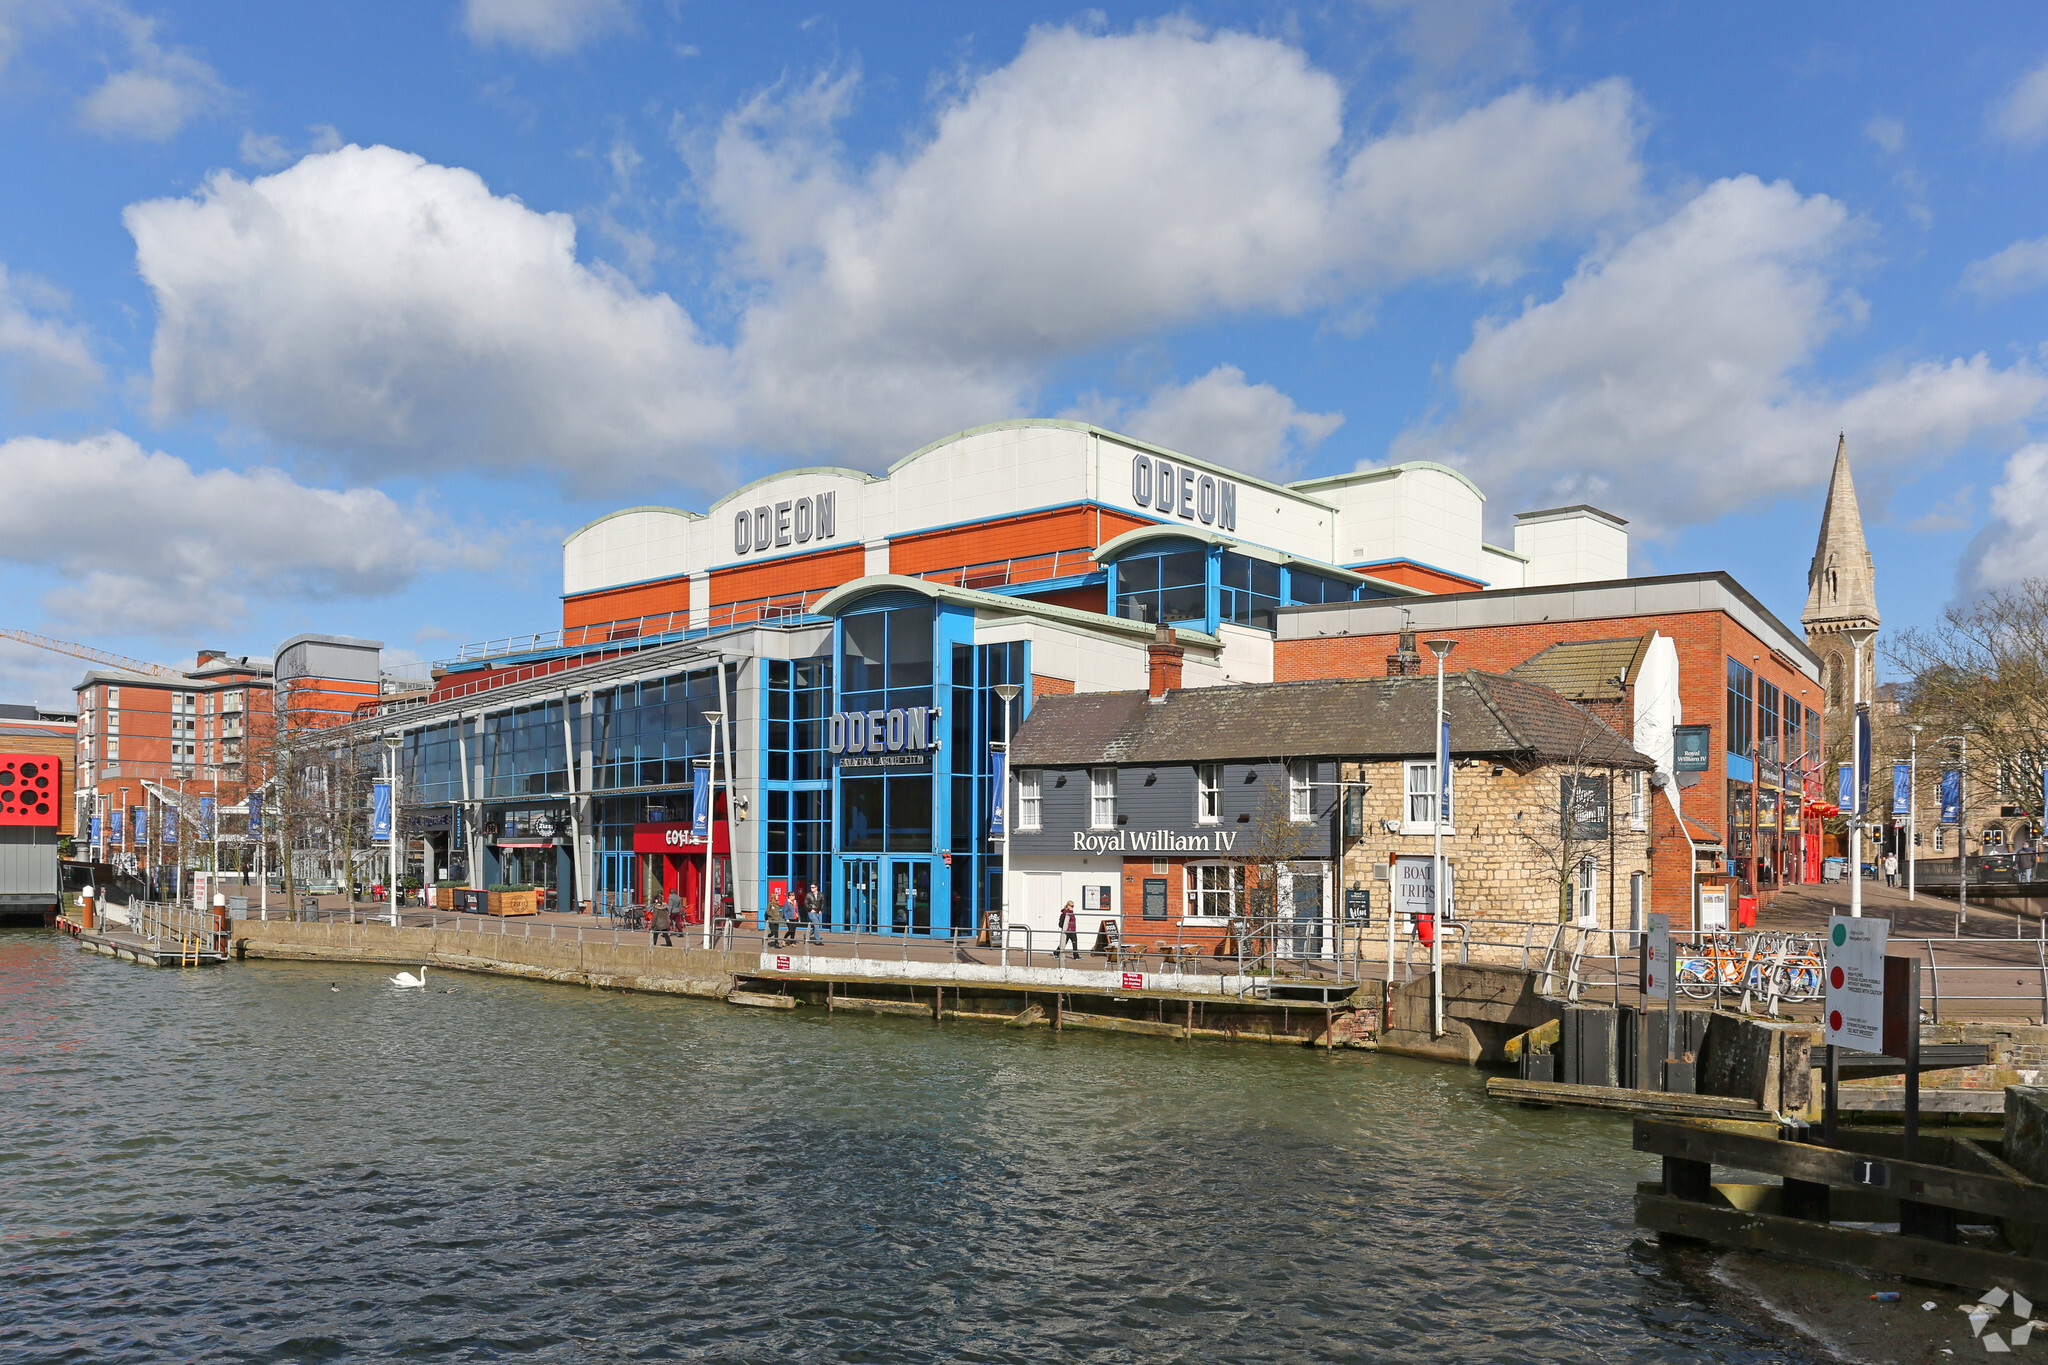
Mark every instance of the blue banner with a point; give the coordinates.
(999, 800)
(380, 812)
(1863, 762)
(114, 827)
(1443, 774)
(1951, 796)
(138, 822)
(1902, 789)
(170, 824)
(206, 804)
(94, 840)
(255, 814)
(700, 801)
(1845, 795)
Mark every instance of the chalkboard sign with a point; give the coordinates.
(1358, 905)
(1155, 898)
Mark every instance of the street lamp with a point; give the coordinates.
(711, 719)
(1913, 818)
(1859, 636)
(1440, 648)
(1008, 692)
(392, 744)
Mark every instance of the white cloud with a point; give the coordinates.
(1888, 133)
(149, 545)
(1220, 417)
(159, 93)
(2015, 545)
(2016, 269)
(45, 362)
(1668, 378)
(1098, 187)
(2022, 115)
(546, 27)
(367, 302)
(266, 150)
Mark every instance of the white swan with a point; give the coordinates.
(408, 979)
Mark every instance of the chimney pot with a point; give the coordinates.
(1163, 663)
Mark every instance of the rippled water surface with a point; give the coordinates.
(247, 1164)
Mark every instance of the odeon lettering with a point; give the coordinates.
(898, 737)
(1154, 841)
(1177, 491)
(794, 521)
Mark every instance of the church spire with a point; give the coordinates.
(1841, 594)
(1841, 583)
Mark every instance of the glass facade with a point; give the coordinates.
(647, 734)
(1741, 709)
(524, 752)
(1185, 583)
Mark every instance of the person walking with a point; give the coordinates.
(790, 912)
(664, 920)
(1891, 869)
(772, 916)
(814, 911)
(1069, 940)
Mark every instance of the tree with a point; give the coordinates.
(1574, 817)
(1982, 671)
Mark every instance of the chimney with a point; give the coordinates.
(1162, 663)
(207, 656)
(1405, 661)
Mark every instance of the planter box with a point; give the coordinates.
(444, 898)
(514, 902)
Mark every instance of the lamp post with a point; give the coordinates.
(392, 744)
(1859, 636)
(1440, 648)
(711, 718)
(1008, 692)
(1913, 818)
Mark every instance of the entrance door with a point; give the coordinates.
(859, 900)
(910, 895)
(1035, 902)
(1303, 902)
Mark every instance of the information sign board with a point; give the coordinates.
(1657, 959)
(1853, 1014)
(1713, 907)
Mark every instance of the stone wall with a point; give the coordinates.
(1499, 870)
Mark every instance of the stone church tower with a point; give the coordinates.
(1841, 593)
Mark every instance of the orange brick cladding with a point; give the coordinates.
(1416, 576)
(1704, 641)
(798, 573)
(625, 604)
(1044, 686)
(1034, 533)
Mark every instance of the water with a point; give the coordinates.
(242, 1164)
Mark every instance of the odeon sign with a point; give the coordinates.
(793, 521)
(1178, 491)
(899, 737)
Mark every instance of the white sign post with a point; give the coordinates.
(1854, 1012)
(1657, 961)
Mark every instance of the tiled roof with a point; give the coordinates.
(1585, 670)
(1491, 716)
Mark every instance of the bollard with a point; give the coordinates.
(220, 924)
(86, 918)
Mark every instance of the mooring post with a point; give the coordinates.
(938, 1003)
(1059, 1009)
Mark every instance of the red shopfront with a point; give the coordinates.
(671, 860)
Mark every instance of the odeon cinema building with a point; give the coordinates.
(802, 683)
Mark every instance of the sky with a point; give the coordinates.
(339, 316)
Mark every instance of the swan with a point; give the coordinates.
(408, 979)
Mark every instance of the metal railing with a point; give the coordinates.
(172, 924)
(1001, 573)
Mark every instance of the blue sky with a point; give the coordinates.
(336, 317)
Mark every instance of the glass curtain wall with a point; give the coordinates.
(645, 737)
(1202, 587)
(799, 787)
(976, 716)
(524, 752)
(885, 662)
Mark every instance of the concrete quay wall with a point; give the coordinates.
(593, 960)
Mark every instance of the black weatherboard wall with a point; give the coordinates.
(1154, 799)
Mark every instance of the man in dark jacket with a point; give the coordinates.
(814, 911)
(664, 920)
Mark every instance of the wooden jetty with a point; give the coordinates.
(1864, 1178)
(153, 935)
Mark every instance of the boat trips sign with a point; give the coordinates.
(1854, 1013)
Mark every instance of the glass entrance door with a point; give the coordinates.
(910, 895)
(1303, 899)
(859, 893)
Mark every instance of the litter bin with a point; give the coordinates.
(1745, 912)
(1425, 927)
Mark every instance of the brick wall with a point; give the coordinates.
(1034, 533)
(623, 604)
(796, 573)
(1044, 686)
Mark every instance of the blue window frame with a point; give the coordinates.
(1249, 591)
(1170, 586)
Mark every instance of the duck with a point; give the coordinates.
(408, 979)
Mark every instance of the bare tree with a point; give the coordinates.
(1574, 817)
(1982, 670)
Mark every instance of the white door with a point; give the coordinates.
(1037, 907)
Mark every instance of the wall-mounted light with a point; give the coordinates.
(1391, 826)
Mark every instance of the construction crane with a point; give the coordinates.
(98, 656)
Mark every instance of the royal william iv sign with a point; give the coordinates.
(895, 737)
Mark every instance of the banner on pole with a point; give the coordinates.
(170, 824)
(380, 811)
(1951, 796)
(1902, 789)
(95, 839)
(138, 823)
(206, 808)
(115, 834)
(255, 814)
(1845, 797)
(1443, 774)
(700, 800)
(1863, 762)
(1000, 798)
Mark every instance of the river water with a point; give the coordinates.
(287, 1162)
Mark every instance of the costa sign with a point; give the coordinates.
(897, 737)
(793, 521)
(1178, 491)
